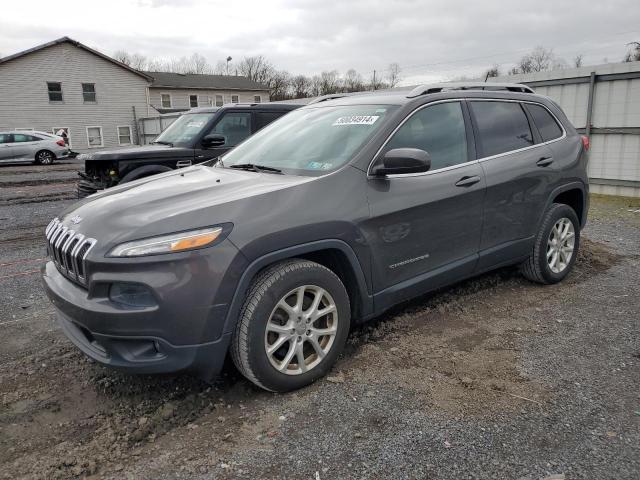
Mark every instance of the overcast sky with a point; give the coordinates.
(429, 39)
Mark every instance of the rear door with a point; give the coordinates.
(519, 171)
(424, 229)
(6, 149)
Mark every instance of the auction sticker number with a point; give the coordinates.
(356, 120)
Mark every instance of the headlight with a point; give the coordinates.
(175, 242)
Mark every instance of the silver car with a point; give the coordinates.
(31, 146)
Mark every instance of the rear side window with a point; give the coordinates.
(439, 130)
(265, 118)
(20, 138)
(547, 125)
(502, 127)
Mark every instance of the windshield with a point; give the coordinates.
(184, 128)
(311, 141)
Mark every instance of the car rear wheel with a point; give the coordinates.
(44, 157)
(293, 325)
(556, 246)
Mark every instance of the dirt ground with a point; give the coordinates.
(492, 378)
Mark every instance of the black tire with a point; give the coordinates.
(44, 157)
(86, 188)
(536, 268)
(248, 349)
(142, 172)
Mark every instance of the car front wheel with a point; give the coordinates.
(292, 327)
(556, 246)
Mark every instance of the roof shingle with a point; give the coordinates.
(193, 80)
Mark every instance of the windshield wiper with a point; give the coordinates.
(255, 168)
(163, 143)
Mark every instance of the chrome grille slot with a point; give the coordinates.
(68, 250)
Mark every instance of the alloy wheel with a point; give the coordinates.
(560, 245)
(45, 158)
(301, 330)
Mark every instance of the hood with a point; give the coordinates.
(179, 200)
(156, 151)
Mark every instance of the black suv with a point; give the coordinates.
(198, 135)
(327, 217)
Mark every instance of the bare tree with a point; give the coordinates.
(329, 82)
(122, 57)
(393, 77)
(279, 84)
(375, 83)
(256, 68)
(198, 64)
(352, 81)
(577, 60)
(492, 72)
(315, 89)
(300, 86)
(633, 55)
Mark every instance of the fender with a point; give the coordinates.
(563, 188)
(291, 252)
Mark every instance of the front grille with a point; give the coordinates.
(68, 250)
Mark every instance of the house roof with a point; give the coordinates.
(77, 44)
(203, 81)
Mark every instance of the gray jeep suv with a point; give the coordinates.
(326, 217)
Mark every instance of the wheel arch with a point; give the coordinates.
(336, 255)
(575, 195)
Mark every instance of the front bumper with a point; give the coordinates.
(183, 331)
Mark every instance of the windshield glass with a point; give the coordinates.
(311, 141)
(184, 128)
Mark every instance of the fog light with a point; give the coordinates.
(131, 295)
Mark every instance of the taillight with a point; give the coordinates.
(61, 143)
(585, 142)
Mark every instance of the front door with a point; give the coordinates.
(234, 126)
(424, 229)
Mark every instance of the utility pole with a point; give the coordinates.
(373, 87)
(228, 60)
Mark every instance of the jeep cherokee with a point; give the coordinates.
(327, 217)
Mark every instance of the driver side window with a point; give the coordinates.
(439, 130)
(235, 127)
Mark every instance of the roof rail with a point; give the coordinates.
(492, 86)
(325, 98)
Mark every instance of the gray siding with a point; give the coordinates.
(24, 102)
(180, 97)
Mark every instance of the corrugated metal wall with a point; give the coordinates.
(614, 130)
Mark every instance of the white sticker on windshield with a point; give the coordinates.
(356, 120)
(195, 123)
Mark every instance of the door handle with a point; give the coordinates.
(467, 181)
(544, 161)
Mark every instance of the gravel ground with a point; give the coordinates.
(493, 378)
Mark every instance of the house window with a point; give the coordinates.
(124, 135)
(94, 137)
(234, 99)
(193, 101)
(219, 101)
(89, 92)
(55, 91)
(165, 100)
(257, 99)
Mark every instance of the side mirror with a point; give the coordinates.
(213, 140)
(402, 160)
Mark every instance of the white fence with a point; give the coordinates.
(150, 127)
(602, 102)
